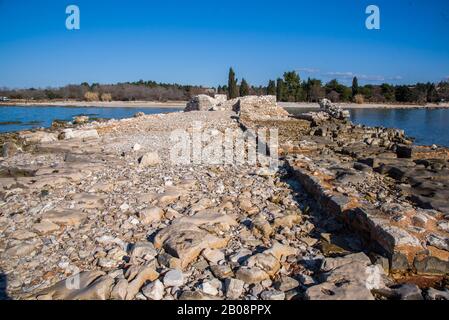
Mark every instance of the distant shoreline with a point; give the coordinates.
(310, 105)
(109, 104)
(182, 104)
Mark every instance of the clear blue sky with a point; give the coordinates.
(195, 42)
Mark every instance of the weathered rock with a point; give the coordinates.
(72, 286)
(261, 224)
(80, 119)
(272, 295)
(144, 273)
(251, 275)
(173, 278)
(213, 256)
(154, 290)
(65, 217)
(347, 278)
(408, 292)
(150, 215)
(22, 249)
(266, 262)
(234, 288)
(120, 290)
(333, 110)
(149, 159)
(202, 102)
(438, 241)
(44, 227)
(68, 134)
(38, 137)
(208, 288)
(286, 284)
(186, 241)
(10, 149)
(434, 294)
(222, 271)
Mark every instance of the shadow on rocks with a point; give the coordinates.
(3, 286)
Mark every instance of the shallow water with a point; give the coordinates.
(427, 126)
(15, 118)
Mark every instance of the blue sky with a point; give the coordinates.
(195, 42)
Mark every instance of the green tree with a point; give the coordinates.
(232, 85)
(271, 89)
(355, 86)
(244, 88)
(387, 92)
(280, 90)
(292, 86)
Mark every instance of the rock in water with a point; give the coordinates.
(333, 110)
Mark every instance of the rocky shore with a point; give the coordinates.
(98, 211)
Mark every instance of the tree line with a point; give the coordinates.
(129, 91)
(290, 88)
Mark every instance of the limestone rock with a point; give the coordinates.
(149, 159)
(173, 278)
(145, 273)
(65, 217)
(120, 290)
(154, 290)
(70, 287)
(150, 215)
(272, 295)
(234, 288)
(68, 134)
(186, 241)
(251, 275)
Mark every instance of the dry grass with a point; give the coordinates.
(91, 96)
(106, 97)
(359, 99)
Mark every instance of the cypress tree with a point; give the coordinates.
(232, 85)
(271, 89)
(280, 90)
(244, 88)
(355, 86)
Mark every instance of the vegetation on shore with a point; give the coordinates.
(289, 88)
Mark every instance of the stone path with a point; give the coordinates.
(81, 218)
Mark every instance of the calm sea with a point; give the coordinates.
(20, 118)
(427, 126)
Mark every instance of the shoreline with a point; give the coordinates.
(97, 104)
(310, 105)
(182, 104)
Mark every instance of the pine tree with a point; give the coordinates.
(280, 90)
(244, 88)
(355, 87)
(271, 89)
(232, 85)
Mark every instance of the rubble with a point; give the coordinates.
(350, 210)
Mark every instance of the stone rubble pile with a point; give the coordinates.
(108, 216)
